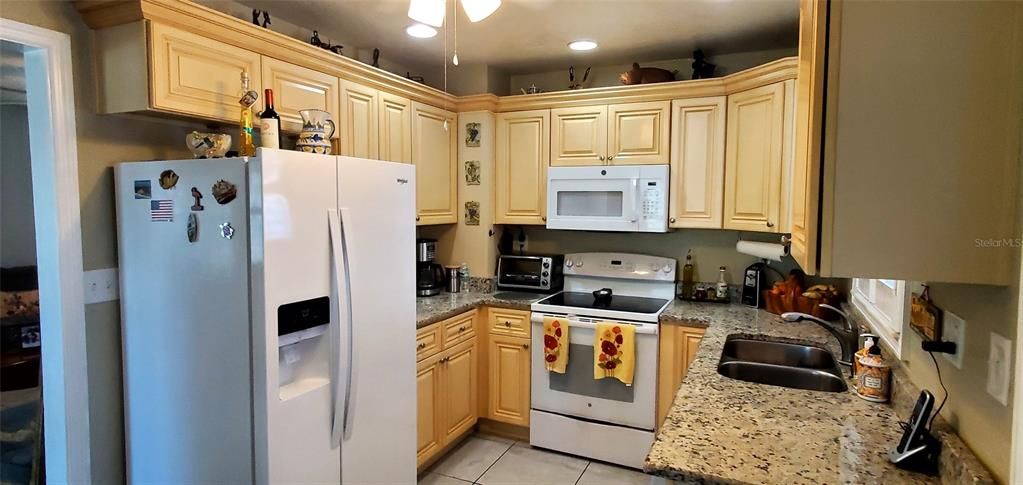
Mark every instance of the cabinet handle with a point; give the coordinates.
(672, 220)
(770, 224)
(525, 346)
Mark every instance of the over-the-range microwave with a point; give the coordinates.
(632, 198)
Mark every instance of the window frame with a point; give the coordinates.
(890, 328)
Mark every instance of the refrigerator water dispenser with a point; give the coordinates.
(303, 351)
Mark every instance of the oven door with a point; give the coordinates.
(577, 393)
(593, 198)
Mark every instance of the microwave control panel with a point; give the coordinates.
(653, 199)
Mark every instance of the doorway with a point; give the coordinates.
(52, 328)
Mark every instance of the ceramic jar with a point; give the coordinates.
(315, 135)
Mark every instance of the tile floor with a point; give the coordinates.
(491, 460)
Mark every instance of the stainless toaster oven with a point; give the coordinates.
(530, 273)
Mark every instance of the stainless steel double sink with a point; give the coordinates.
(782, 364)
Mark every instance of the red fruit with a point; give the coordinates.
(550, 358)
(608, 348)
(550, 342)
(616, 330)
(557, 332)
(619, 339)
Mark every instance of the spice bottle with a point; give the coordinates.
(722, 286)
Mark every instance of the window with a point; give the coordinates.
(884, 303)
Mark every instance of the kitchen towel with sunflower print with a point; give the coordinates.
(616, 356)
(555, 351)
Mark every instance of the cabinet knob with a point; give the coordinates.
(417, 218)
(507, 323)
(525, 346)
(610, 157)
(421, 346)
(672, 220)
(544, 218)
(770, 224)
(461, 329)
(601, 158)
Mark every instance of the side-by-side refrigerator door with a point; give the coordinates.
(376, 210)
(295, 358)
(183, 259)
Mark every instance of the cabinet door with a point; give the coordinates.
(199, 77)
(428, 407)
(638, 133)
(809, 116)
(395, 131)
(523, 153)
(677, 347)
(697, 162)
(297, 88)
(358, 120)
(434, 153)
(579, 136)
(509, 380)
(459, 391)
(753, 159)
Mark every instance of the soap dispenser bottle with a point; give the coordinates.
(874, 380)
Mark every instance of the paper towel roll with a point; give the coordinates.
(762, 250)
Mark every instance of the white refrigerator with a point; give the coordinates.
(268, 309)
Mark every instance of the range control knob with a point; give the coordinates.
(569, 263)
(667, 268)
(579, 263)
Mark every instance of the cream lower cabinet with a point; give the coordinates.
(508, 370)
(677, 347)
(755, 139)
(435, 154)
(616, 134)
(296, 88)
(697, 163)
(446, 383)
(523, 154)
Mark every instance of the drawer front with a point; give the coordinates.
(428, 341)
(459, 329)
(509, 322)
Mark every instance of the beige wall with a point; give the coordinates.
(17, 231)
(103, 140)
(607, 75)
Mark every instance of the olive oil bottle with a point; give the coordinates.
(247, 98)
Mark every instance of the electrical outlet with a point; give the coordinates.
(953, 329)
(999, 361)
(101, 285)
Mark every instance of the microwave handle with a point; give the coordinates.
(638, 202)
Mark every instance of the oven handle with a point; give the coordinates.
(637, 202)
(641, 328)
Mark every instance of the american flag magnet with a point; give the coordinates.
(161, 210)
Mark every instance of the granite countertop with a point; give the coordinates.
(432, 309)
(721, 430)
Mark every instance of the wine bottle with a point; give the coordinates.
(247, 98)
(687, 276)
(269, 123)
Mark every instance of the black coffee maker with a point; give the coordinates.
(753, 284)
(429, 274)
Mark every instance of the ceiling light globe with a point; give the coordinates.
(582, 45)
(421, 31)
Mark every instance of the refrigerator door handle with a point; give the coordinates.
(347, 330)
(337, 261)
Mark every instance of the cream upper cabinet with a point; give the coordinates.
(359, 124)
(395, 133)
(297, 88)
(195, 76)
(523, 153)
(697, 163)
(638, 133)
(579, 136)
(753, 159)
(434, 153)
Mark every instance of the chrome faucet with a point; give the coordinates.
(848, 336)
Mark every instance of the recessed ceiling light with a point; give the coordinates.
(582, 45)
(421, 31)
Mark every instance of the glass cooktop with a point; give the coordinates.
(619, 303)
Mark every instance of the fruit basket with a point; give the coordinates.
(789, 296)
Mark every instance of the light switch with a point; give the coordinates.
(954, 330)
(101, 285)
(998, 368)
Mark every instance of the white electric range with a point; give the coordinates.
(601, 419)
